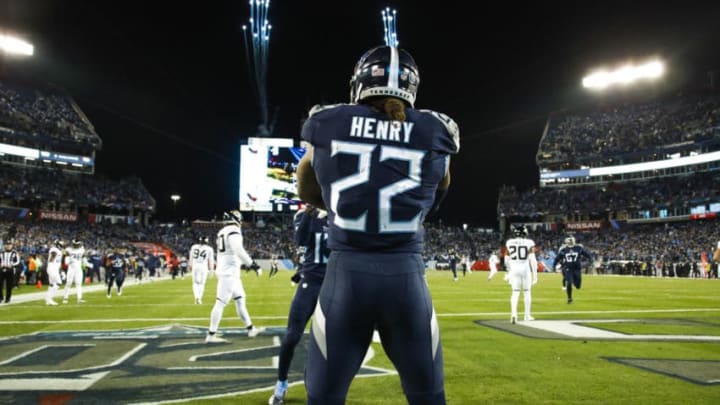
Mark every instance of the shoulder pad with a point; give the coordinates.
(319, 107)
(229, 228)
(450, 125)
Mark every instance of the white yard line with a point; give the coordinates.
(447, 315)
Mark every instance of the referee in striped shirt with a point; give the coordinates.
(9, 260)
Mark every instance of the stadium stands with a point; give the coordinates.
(660, 218)
(44, 116)
(631, 132)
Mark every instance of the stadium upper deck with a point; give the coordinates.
(630, 133)
(654, 160)
(41, 125)
(42, 115)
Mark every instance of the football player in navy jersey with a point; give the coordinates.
(311, 239)
(570, 258)
(452, 260)
(117, 265)
(378, 166)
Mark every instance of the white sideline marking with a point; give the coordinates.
(116, 320)
(619, 311)
(446, 315)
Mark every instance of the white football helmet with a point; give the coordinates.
(233, 216)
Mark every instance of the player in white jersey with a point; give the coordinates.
(74, 259)
(522, 270)
(230, 255)
(202, 260)
(493, 262)
(55, 256)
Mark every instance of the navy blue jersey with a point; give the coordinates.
(570, 257)
(96, 261)
(378, 177)
(311, 236)
(117, 262)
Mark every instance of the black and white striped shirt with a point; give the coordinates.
(9, 259)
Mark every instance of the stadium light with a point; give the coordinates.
(175, 198)
(16, 46)
(624, 75)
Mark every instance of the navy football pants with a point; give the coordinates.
(574, 278)
(301, 309)
(362, 292)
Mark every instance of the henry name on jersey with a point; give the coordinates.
(386, 130)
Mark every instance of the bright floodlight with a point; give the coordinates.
(14, 45)
(175, 198)
(624, 75)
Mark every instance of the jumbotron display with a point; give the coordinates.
(267, 175)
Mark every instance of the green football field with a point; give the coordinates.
(625, 340)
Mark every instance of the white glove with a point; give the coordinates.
(534, 280)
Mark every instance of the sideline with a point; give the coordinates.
(40, 295)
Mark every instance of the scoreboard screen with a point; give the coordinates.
(268, 181)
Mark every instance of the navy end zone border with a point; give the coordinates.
(701, 372)
(164, 364)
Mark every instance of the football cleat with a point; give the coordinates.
(51, 302)
(529, 318)
(214, 339)
(65, 301)
(569, 300)
(252, 331)
(278, 397)
(513, 320)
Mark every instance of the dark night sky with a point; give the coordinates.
(166, 84)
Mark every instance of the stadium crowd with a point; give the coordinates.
(54, 188)
(665, 193)
(678, 249)
(44, 115)
(601, 134)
